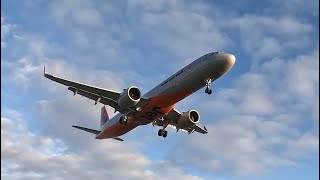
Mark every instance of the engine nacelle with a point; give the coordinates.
(188, 119)
(130, 97)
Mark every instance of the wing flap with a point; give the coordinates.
(200, 129)
(95, 97)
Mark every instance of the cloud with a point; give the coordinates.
(170, 25)
(265, 37)
(33, 53)
(256, 125)
(25, 152)
(265, 118)
(80, 13)
(6, 30)
(295, 7)
(26, 155)
(178, 24)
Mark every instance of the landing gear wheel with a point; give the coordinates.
(162, 133)
(165, 134)
(208, 91)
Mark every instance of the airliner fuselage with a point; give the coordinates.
(162, 98)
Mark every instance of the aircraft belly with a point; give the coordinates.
(115, 130)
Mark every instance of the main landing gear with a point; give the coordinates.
(163, 132)
(208, 83)
(123, 120)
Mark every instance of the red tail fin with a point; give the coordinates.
(104, 116)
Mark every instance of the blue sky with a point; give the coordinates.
(263, 115)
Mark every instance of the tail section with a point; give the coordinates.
(104, 116)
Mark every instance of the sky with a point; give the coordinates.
(262, 117)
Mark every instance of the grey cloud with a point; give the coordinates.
(25, 155)
(303, 8)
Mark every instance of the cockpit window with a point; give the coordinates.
(214, 53)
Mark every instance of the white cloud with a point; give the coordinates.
(6, 30)
(32, 156)
(256, 125)
(171, 25)
(303, 75)
(306, 145)
(26, 67)
(265, 37)
(181, 28)
(80, 13)
(25, 152)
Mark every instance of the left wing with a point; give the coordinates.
(172, 118)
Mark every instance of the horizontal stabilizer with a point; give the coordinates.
(87, 129)
(94, 131)
(117, 138)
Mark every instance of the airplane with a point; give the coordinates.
(156, 106)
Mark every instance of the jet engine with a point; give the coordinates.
(188, 119)
(130, 97)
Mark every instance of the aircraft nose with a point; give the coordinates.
(230, 60)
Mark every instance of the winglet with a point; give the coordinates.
(45, 74)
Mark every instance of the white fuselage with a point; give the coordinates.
(164, 96)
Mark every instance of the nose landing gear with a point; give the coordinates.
(208, 83)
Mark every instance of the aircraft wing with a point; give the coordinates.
(97, 94)
(104, 100)
(172, 118)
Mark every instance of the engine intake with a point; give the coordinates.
(130, 97)
(188, 119)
